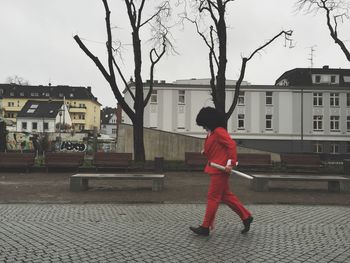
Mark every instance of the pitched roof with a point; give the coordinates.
(302, 76)
(40, 109)
(46, 92)
(106, 114)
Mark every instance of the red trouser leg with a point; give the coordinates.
(233, 202)
(219, 191)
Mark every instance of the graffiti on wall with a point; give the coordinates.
(72, 146)
(17, 141)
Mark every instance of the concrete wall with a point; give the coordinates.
(170, 146)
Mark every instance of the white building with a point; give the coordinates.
(302, 112)
(43, 116)
(109, 121)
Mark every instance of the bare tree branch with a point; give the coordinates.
(153, 63)
(329, 6)
(124, 80)
(164, 6)
(244, 65)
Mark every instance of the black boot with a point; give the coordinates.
(246, 224)
(201, 231)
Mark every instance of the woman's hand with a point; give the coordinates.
(228, 169)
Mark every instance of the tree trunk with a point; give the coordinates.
(221, 73)
(139, 148)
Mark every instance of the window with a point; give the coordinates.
(348, 123)
(332, 79)
(34, 126)
(318, 99)
(82, 105)
(46, 126)
(154, 97)
(21, 94)
(12, 94)
(241, 98)
(114, 131)
(181, 97)
(348, 99)
(71, 95)
(240, 121)
(268, 122)
(9, 115)
(334, 148)
(318, 147)
(348, 147)
(34, 94)
(180, 110)
(269, 98)
(81, 127)
(81, 116)
(334, 123)
(60, 95)
(24, 125)
(32, 108)
(317, 123)
(11, 104)
(318, 79)
(334, 99)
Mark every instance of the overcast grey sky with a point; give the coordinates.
(37, 43)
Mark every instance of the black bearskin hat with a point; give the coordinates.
(210, 118)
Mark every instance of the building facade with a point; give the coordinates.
(109, 121)
(308, 117)
(83, 107)
(43, 116)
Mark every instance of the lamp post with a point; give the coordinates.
(60, 113)
(302, 119)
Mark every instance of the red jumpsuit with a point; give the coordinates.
(221, 149)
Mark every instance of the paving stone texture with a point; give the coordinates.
(159, 233)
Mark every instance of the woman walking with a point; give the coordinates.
(221, 149)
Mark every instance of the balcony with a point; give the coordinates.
(78, 121)
(73, 109)
(12, 108)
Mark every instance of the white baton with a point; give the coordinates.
(222, 168)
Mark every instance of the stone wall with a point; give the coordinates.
(170, 146)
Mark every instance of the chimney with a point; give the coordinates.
(325, 67)
(89, 88)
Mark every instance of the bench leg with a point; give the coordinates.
(345, 186)
(158, 185)
(333, 186)
(78, 184)
(260, 184)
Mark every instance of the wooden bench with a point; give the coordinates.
(195, 160)
(260, 182)
(301, 161)
(14, 160)
(112, 160)
(254, 160)
(63, 159)
(80, 182)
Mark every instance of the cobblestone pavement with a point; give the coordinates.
(159, 233)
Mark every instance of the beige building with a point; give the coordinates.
(84, 109)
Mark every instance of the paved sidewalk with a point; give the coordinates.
(159, 233)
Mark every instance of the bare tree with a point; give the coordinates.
(17, 80)
(335, 12)
(136, 111)
(215, 39)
